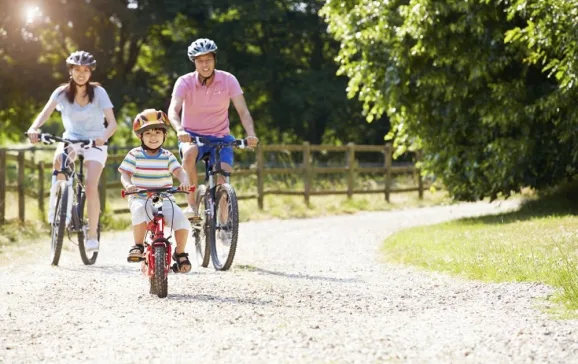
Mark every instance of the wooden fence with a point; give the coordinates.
(306, 169)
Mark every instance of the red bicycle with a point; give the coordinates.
(156, 259)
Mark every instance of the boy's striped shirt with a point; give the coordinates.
(150, 172)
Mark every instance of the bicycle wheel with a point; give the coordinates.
(59, 223)
(223, 236)
(159, 280)
(200, 235)
(83, 231)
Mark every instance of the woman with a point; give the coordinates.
(83, 105)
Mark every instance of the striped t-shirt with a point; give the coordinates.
(150, 172)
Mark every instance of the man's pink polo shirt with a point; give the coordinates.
(206, 109)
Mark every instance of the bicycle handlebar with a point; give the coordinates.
(47, 138)
(156, 191)
(238, 143)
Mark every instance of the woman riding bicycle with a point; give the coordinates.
(83, 106)
(205, 96)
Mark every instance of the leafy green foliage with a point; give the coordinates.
(460, 81)
(279, 50)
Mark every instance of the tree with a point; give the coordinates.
(488, 120)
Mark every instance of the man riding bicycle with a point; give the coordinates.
(204, 97)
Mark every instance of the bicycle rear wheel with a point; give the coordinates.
(59, 223)
(159, 280)
(80, 207)
(200, 235)
(225, 227)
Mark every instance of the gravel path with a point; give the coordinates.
(300, 291)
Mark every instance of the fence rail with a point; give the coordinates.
(306, 169)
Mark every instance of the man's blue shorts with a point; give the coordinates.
(226, 153)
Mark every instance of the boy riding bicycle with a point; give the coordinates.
(148, 167)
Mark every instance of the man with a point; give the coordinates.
(204, 97)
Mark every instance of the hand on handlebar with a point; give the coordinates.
(131, 188)
(99, 142)
(252, 141)
(186, 187)
(33, 135)
(183, 136)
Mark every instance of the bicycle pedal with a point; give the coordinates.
(134, 259)
(195, 219)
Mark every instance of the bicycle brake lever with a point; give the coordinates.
(45, 140)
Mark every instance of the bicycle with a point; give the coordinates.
(156, 259)
(70, 218)
(213, 236)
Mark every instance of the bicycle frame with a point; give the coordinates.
(212, 171)
(155, 228)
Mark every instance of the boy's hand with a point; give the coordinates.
(130, 188)
(185, 187)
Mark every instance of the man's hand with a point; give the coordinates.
(183, 136)
(252, 141)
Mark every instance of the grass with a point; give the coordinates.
(537, 243)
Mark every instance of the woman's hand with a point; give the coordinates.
(99, 142)
(33, 135)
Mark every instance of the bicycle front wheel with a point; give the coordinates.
(83, 231)
(159, 280)
(58, 223)
(200, 229)
(225, 227)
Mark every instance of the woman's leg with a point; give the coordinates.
(93, 172)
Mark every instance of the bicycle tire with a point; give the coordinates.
(222, 254)
(159, 280)
(202, 246)
(58, 224)
(84, 227)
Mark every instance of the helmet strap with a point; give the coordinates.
(205, 79)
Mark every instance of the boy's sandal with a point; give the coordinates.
(183, 265)
(135, 253)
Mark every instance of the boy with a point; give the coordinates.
(150, 166)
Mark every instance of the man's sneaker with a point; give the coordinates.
(191, 214)
(91, 245)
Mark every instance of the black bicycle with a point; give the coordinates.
(70, 200)
(217, 230)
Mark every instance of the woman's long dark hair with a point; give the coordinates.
(70, 90)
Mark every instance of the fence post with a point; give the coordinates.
(2, 186)
(102, 190)
(41, 189)
(21, 181)
(350, 169)
(419, 177)
(306, 171)
(388, 163)
(260, 176)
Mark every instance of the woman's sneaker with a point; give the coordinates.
(91, 245)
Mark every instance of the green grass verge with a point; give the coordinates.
(538, 243)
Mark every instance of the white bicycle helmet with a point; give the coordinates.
(81, 58)
(201, 46)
